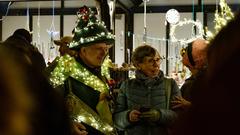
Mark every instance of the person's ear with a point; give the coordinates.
(138, 66)
(83, 50)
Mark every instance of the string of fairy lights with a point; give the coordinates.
(88, 16)
(67, 66)
(196, 23)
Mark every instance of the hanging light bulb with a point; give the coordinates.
(172, 16)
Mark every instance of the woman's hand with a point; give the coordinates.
(134, 116)
(180, 102)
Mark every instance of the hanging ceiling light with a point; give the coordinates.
(172, 16)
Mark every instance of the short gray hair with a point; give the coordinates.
(141, 52)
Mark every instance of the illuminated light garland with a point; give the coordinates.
(105, 67)
(221, 19)
(68, 66)
(87, 21)
(196, 23)
(83, 113)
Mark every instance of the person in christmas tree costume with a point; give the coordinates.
(85, 85)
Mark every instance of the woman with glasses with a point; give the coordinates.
(143, 103)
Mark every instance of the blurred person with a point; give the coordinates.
(194, 57)
(46, 113)
(215, 97)
(16, 102)
(85, 87)
(21, 40)
(143, 103)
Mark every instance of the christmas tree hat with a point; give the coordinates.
(89, 30)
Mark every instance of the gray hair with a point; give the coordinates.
(141, 52)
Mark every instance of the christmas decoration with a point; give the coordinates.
(196, 23)
(222, 17)
(172, 16)
(51, 31)
(68, 66)
(89, 30)
(105, 67)
(111, 4)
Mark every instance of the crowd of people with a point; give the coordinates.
(72, 95)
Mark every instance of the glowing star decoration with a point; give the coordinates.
(221, 19)
(196, 23)
(172, 16)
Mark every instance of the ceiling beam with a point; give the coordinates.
(150, 9)
(182, 8)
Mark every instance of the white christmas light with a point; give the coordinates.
(172, 16)
(198, 25)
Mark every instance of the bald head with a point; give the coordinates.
(196, 55)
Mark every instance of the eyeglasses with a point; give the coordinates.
(188, 50)
(152, 60)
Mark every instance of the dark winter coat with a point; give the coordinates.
(141, 92)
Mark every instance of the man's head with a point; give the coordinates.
(94, 55)
(23, 34)
(91, 38)
(195, 54)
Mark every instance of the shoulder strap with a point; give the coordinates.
(168, 91)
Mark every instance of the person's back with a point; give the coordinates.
(21, 40)
(31, 106)
(215, 98)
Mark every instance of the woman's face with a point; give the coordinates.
(150, 65)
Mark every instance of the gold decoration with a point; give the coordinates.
(68, 66)
(81, 112)
(221, 19)
(105, 67)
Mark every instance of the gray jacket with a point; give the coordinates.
(145, 92)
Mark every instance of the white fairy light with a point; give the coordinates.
(196, 23)
(172, 16)
(68, 66)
